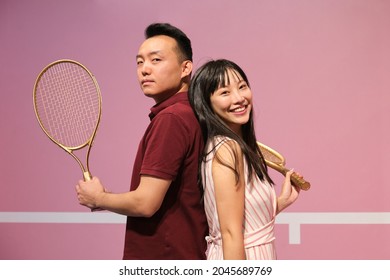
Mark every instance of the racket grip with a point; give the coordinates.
(296, 180)
(87, 176)
(299, 182)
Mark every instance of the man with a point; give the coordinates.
(166, 218)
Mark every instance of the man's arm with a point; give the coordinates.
(142, 202)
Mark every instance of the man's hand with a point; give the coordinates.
(90, 192)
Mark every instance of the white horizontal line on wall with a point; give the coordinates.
(62, 217)
(293, 220)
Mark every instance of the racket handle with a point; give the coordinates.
(87, 176)
(299, 182)
(295, 179)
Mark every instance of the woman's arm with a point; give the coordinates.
(230, 198)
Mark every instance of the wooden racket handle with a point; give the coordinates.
(295, 179)
(299, 182)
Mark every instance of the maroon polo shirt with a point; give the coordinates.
(170, 149)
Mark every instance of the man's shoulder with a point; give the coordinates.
(180, 109)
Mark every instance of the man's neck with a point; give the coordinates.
(164, 96)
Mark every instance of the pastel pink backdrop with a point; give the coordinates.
(320, 72)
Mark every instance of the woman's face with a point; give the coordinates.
(233, 102)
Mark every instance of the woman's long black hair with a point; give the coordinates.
(207, 79)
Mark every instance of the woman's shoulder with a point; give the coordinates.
(221, 140)
(223, 145)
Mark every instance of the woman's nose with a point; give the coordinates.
(237, 97)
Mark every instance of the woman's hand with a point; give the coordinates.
(288, 195)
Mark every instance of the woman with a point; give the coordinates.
(239, 196)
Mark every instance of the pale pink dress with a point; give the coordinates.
(259, 220)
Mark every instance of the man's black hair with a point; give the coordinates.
(183, 42)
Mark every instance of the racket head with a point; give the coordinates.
(271, 156)
(67, 104)
(276, 161)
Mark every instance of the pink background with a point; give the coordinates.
(320, 72)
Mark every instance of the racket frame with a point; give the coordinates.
(70, 150)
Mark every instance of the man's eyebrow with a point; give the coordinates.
(149, 54)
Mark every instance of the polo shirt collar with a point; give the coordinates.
(179, 97)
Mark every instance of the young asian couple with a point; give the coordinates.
(200, 188)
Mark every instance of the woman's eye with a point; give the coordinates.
(243, 86)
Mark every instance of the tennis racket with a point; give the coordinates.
(67, 104)
(276, 161)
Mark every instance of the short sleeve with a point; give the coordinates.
(166, 147)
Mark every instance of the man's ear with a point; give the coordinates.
(186, 68)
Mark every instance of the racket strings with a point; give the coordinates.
(268, 155)
(68, 104)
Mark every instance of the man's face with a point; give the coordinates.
(159, 70)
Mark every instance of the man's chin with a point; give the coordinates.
(150, 94)
(147, 94)
(155, 96)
